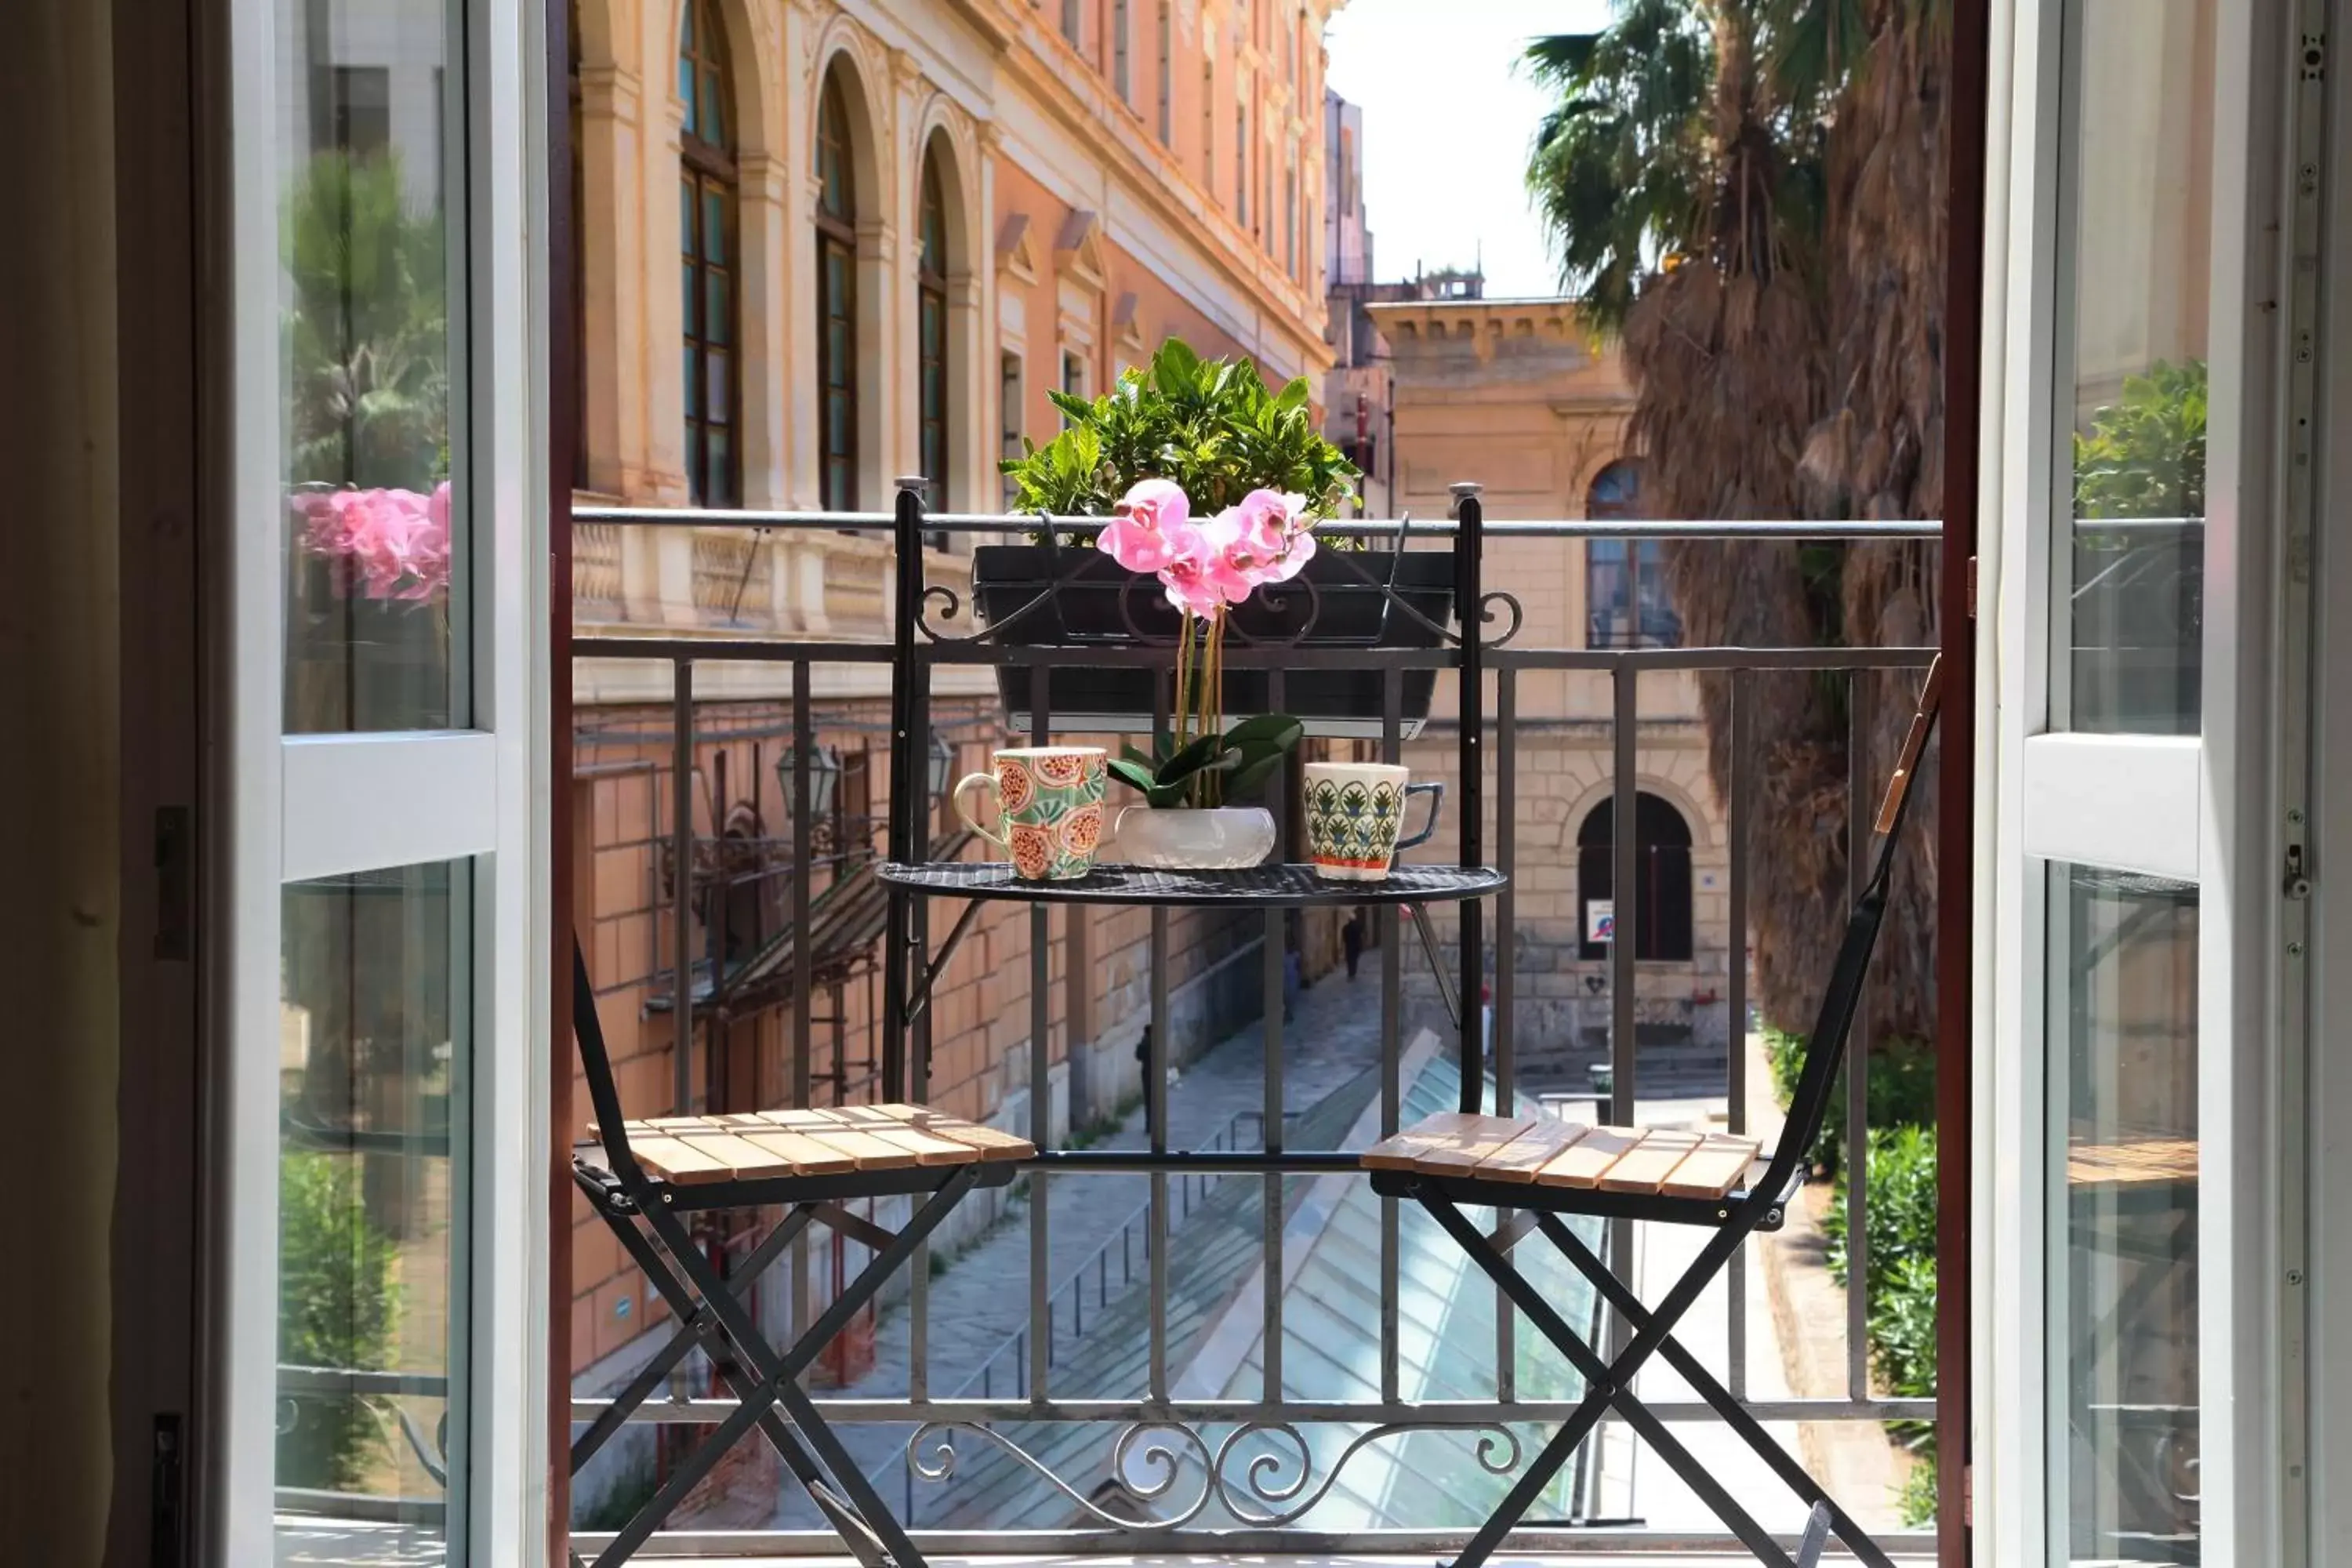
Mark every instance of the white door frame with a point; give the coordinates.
(299, 807)
(2203, 809)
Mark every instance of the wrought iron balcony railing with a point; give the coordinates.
(1290, 1369)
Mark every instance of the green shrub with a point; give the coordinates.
(1900, 1219)
(631, 1490)
(1900, 1290)
(1900, 1088)
(1209, 425)
(2143, 454)
(1917, 1501)
(338, 1306)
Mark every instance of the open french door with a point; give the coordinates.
(378, 1309)
(2140, 956)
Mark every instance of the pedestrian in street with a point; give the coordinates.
(1144, 1065)
(1352, 939)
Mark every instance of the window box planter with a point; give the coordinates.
(1343, 601)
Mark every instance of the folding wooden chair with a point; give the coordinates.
(1544, 1169)
(643, 1176)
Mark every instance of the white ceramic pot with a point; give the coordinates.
(1220, 838)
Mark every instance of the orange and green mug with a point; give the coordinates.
(1049, 800)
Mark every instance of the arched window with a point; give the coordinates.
(836, 301)
(1625, 580)
(706, 177)
(932, 338)
(706, 229)
(1662, 869)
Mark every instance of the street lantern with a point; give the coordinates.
(823, 776)
(942, 765)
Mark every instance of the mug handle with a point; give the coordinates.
(1435, 790)
(986, 781)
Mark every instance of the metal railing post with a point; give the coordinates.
(1469, 514)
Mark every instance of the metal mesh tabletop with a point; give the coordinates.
(1281, 886)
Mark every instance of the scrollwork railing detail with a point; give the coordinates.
(1266, 1493)
(1163, 1458)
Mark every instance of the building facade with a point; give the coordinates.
(1521, 397)
(896, 227)
(1359, 410)
(901, 224)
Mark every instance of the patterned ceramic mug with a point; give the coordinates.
(1050, 799)
(1353, 813)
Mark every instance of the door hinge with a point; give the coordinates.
(166, 1506)
(1972, 588)
(2298, 880)
(175, 884)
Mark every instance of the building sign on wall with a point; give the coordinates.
(1599, 920)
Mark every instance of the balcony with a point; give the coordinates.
(1208, 1341)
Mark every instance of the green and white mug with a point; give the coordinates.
(1049, 801)
(1354, 812)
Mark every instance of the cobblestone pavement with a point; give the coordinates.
(981, 1299)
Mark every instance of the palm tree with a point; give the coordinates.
(366, 328)
(1747, 193)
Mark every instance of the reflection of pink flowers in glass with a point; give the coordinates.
(1148, 532)
(382, 543)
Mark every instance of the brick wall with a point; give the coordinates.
(982, 1013)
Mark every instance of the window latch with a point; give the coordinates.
(2298, 880)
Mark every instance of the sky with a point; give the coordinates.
(1447, 119)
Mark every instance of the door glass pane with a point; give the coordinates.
(365, 330)
(2139, 235)
(372, 1057)
(2123, 1192)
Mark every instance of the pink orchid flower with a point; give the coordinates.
(1146, 533)
(1202, 577)
(1270, 538)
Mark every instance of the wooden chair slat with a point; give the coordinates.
(1648, 1163)
(687, 1163)
(813, 1141)
(993, 1142)
(1541, 1143)
(1476, 1140)
(1713, 1169)
(2152, 1161)
(1583, 1163)
(872, 1154)
(1408, 1147)
(927, 1147)
(804, 1155)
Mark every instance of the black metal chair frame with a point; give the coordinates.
(712, 1313)
(1762, 1206)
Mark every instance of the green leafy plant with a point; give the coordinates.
(1211, 426)
(338, 1307)
(2143, 454)
(1900, 1088)
(1900, 1288)
(366, 329)
(1212, 769)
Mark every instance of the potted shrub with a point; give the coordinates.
(1212, 429)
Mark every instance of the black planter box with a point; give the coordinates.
(1337, 603)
